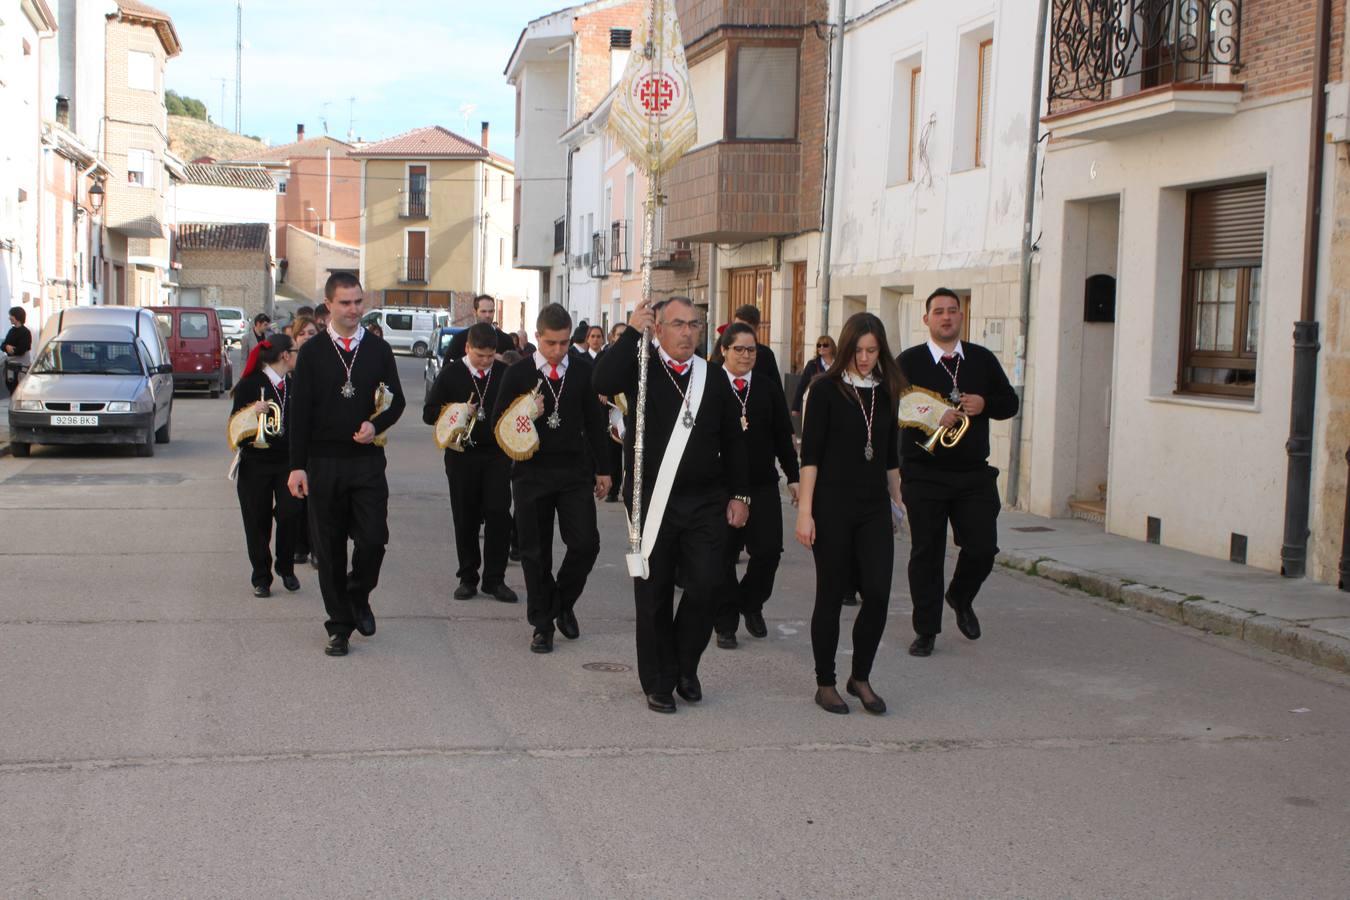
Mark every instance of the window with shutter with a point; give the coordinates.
(766, 92)
(984, 103)
(915, 82)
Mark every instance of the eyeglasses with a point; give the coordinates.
(744, 351)
(823, 346)
(680, 324)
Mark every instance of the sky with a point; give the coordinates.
(407, 64)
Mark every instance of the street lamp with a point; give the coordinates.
(96, 196)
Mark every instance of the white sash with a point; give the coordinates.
(670, 461)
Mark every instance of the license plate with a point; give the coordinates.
(75, 420)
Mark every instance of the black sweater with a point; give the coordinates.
(770, 434)
(583, 418)
(323, 420)
(459, 342)
(980, 373)
(456, 384)
(716, 456)
(834, 438)
(250, 389)
(766, 364)
(20, 338)
(809, 371)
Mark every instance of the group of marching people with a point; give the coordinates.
(539, 435)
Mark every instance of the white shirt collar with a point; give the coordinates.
(474, 370)
(356, 338)
(272, 375)
(850, 378)
(732, 378)
(541, 363)
(938, 352)
(667, 358)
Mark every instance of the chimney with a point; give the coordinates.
(300, 132)
(484, 141)
(62, 110)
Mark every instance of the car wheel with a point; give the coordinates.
(419, 349)
(147, 448)
(215, 392)
(162, 434)
(21, 450)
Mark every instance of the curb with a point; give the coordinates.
(1271, 633)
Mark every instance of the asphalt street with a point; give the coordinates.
(165, 734)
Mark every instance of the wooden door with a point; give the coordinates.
(797, 348)
(754, 287)
(417, 257)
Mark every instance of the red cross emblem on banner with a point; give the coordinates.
(522, 424)
(656, 93)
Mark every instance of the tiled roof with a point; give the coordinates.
(197, 236)
(230, 176)
(311, 148)
(157, 19)
(421, 143)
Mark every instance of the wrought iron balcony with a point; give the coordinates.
(598, 258)
(412, 269)
(415, 204)
(559, 235)
(674, 257)
(620, 253)
(1105, 49)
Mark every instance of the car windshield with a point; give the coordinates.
(445, 344)
(88, 358)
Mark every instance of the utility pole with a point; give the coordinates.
(832, 163)
(238, 65)
(351, 118)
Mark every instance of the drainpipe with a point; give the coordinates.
(832, 163)
(567, 237)
(1298, 482)
(1024, 290)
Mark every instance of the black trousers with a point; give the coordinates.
(263, 496)
(970, 502)
(302, 547)
(762, 539)
(348, 498)
(480, 495)
(692, 540)
(540, 495)
(616, 469)
(859, 542)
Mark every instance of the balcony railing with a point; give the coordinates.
(599, 259)
(415, 205)
(619, 250)
(559, 236)
(676, 257)
(412, 269)
(1100, 49)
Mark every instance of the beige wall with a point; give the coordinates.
(310, 259)
(227, 278)
(136, 119)
(451, 226)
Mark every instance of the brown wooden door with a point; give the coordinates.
(417, 256)
(754, 287)
(796, 351)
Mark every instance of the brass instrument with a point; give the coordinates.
(269, 422)
(923, 409)
(946, 436)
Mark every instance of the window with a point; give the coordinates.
(141, 168)
(398, 321)
(906, 120)
(281, 186)
(140, 71)
(765, 92)
(193, 325)
(984, 102)
(971, 124)
(1221, 307)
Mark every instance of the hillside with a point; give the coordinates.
(190, 139)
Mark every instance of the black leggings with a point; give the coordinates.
(861, 544)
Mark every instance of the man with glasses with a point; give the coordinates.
(766, 363)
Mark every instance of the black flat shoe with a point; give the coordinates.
(662, 703)
(290, 583)
(567, 624)
(337, 645)
(689, 688)
(967, 623)
(851, 600)
(726, 640)
(502, 594)
(365, 621)
(922, 646)
(836, 706)
(754, 623)
(466, 591)
(262, 590)
(541, 643)
(876, 706)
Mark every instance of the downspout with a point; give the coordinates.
(567, 237)
(1298, 482)
(832, 163)
(1024, 289)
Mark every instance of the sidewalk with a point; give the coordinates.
(1296, 617)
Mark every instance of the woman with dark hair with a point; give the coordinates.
(850, 467)
(261, 482)
(301, 329)
(818, 365)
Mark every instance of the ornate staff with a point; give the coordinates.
(653, 120)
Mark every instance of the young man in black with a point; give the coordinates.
(17, 346)
(767, 426)
(568, 472)
(765, 362)
(335, 462)
(484, 311)
(703, 489)
(480, 474)
(954, 484)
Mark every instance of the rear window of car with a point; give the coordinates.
(232, 315)
(88, 358)
(164, 322)
(398, 321)
(193, 325)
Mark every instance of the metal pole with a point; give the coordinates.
(1024, 289)
(832, 168)
(1344, 582)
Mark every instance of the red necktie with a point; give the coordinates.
(482, 373)
(678, 367)
(281, 389)
(346, 344)
(740, 384)
(553, 373)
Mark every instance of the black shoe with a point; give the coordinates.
(967, 623)
(542, 642)
(262, 590)
(337, 645)
(662, 703)
(851, 600)
(290, 583)
(502, 594)
(876, 706)
(839, 708)
(313, 561)
(567, 624)
(754, 623)
(726, 640)
(689, 688)
(466, 591)
(365, 620)
(922, 646)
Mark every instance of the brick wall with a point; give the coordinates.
(227, 278)
(136, 119)
(593, 69)
(307, 186)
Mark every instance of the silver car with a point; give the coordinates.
(94, 384)
(233, 323)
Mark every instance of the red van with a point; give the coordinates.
(196, 347)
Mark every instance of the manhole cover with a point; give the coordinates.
(54, 479)
(606, 667)
(1033, 529)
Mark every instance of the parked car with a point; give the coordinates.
(409, 328)
(436, 358)
(196, 347)
(233, 323)
(96, 384)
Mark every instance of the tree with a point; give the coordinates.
(178, 105)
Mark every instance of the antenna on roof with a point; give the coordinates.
(323, 116)
(467, 110)
(238, 64)
(351, 118)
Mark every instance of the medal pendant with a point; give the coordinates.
(554, 420)
(349, 390)
(955, 396)
(867, 453)
(745, 424)
(688, 419)
(481, 416)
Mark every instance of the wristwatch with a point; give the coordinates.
(741, 497)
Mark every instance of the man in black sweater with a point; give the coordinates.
(484, 311)
(706, 488)
(480, 474)
(767, 426)
(335, 462)
(766, 363)
(568, 472)
(954, 484)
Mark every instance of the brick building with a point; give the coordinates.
(226, 265)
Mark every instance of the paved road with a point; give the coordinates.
(163, 733)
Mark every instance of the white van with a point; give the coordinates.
(411, 328)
